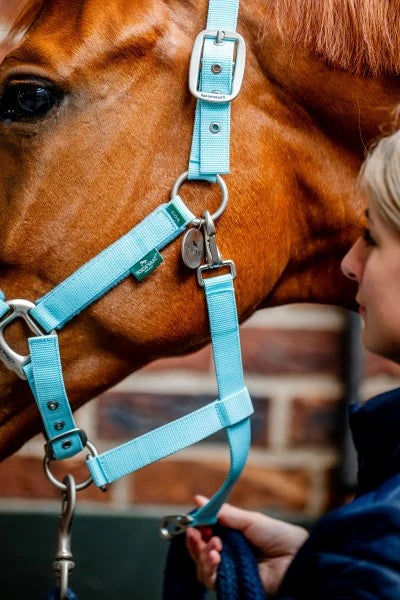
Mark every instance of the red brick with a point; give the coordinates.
(315, 420)
(295, 351)
(23, 477)
(197, 361)
(176, 482)
(122, 416)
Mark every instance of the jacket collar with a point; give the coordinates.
(375, 426)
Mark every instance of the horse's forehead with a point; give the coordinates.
(73, 34)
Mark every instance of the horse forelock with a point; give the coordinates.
(361, 36)
(26, 14)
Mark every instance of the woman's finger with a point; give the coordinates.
(209, 562)
(194, 543)
(215, 543)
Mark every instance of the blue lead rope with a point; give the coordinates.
(237, 577)
(55, 595)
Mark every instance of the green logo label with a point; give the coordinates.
(176, 215)
(146, 265)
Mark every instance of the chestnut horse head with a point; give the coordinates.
(95, 126)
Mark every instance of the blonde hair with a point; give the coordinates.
(380, 179)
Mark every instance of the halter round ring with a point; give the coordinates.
(199, 221)
(59, 484)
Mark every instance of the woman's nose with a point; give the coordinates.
(351, 263)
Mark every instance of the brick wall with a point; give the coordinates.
(293, 357)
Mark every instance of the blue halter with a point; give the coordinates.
(216, 72)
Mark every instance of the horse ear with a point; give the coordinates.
(24, 15)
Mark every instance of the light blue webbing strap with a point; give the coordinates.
(44, 375)
(209, 153)
(92, 280)
(224, 327)
(3, 306)
(230, 411)
(111, 266)
(169, 438)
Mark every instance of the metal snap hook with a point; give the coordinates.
(63, 561)
(173, 525)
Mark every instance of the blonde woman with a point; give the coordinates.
(353, 553)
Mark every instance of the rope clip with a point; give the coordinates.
(213, 255)
(63, 562)
(173, 525)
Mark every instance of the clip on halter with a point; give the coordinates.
(213, 255)
(63, 563)
(173, 525)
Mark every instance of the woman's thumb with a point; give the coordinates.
(229, 515)
(200, 500)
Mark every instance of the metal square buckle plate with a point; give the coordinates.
(20, 310)
(196, 59)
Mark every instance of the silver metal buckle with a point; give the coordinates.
(20, 310)
(196, 59)
(48, 447)
(223, 263)
(173, 525)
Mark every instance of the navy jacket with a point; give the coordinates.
(353, 553)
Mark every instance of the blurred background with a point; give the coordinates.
(303, 366)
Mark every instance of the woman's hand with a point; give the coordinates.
(276, 541)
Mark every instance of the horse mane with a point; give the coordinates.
(360, 36)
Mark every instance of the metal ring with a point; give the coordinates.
(224, 200)
(59, 484)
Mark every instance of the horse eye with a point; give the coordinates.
(27, 101)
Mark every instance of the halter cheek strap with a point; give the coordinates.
(215, 72)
